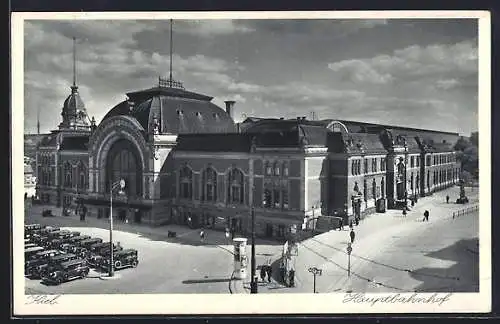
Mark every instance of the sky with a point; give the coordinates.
(420, 73)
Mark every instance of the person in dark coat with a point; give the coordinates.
(404, 212)
(263, 273)
(447, 199)
(426, 215)
(356, 220)
(350, 224)
(292, 278)
(352, 235)
(341, 224)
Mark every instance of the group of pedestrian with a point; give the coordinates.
(266, 269)
(341, 223)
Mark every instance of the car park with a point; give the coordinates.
(66, 271)
(122, 259)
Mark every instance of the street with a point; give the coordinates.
(391, 253)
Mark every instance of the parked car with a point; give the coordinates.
(49, 229)
(39, 259)
(29, 245)
(44, 269)
(100, 251)
(88, 243)
(66, 271)
(31, 251)
(122, 259)
(66, 247)
(29, 228)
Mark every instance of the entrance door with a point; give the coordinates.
(122, 214)
(137, 216)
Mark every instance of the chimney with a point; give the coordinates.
(229, 107)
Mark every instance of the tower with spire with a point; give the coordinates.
(74, 114)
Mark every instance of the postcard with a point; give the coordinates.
(251, 162)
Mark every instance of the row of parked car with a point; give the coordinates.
(56, 255)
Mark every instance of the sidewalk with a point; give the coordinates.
(328, 251)
(184, 234)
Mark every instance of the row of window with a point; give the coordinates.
(414, 161)
(78, 173)
(46, 160)
(276, 168)
(375, 162)
(444, 175)
(209, 185)
(443, 159)
(440, 159)
(274, 196)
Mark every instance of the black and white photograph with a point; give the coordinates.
(205, 163)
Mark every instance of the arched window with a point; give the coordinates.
(123, 162)
(285, 169)
(209, 185)
(382, 187)
(68, 174)
(186, 183)
(82, 175)
(235, 188)
(276, 169)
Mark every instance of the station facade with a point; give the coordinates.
(186, 161)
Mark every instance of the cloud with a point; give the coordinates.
(211, 27)
(447, 84)
(439, 61)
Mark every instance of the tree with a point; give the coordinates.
(467, 155)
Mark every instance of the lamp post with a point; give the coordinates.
(315, 271)
(119, 184)
(349, 250)
(253, 282)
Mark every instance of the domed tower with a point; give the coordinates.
(74, 115)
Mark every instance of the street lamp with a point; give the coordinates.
(119, 184)
(315, 271)
(253, 282)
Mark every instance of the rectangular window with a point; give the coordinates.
(353, 167)
(412, 162)
(276, 198)
(285, 171)
(235, 194)
(267, 198)
(418, 161)
(285, 198)
(374, 165)
(366, 166)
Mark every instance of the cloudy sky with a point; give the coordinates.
(419, 73)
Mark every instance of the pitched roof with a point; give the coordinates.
(236, 142)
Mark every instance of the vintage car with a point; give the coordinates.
(121, 259)
(74, 269)
(44, 269)
(30, 228)
(66, 247)
(58, 234)
(49, 229)
(100, 251)
(74, 240)
(29, 245)
(88, 243)
(39, 259)
(31, 251)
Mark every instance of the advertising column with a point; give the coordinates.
(240, 258)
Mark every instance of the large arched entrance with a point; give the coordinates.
(123, 162)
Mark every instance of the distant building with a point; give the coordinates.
(29, 180)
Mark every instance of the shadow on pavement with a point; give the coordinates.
(462, 276)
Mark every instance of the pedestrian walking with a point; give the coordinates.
(263, 272)
(350, 225)
(202, 235)
(447, 199)
(404, 212)
(356, 220)
(341, 224)
(426, 215)
(352, 234)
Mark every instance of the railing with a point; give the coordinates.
(465, 211)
